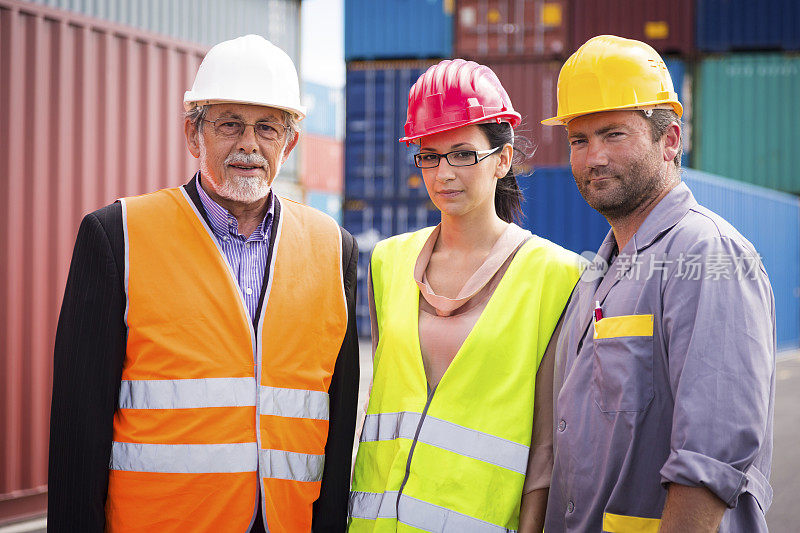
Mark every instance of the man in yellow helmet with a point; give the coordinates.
(665, 369)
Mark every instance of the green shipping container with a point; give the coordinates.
(747, 119)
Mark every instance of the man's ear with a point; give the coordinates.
(289, 147)
(672, 141)
(192, 137)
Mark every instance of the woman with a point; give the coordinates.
(462, 315)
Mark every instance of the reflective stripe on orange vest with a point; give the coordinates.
(209, 405)
(222, 392)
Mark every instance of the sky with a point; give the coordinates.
(322, 42)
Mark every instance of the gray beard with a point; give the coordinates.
(239, 189)
(242, 189)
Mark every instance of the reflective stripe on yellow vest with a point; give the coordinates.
(208, 405)
(455, 459)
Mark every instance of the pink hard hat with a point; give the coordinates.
(453, 94)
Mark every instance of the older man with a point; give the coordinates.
(206, 368)
(666, 358)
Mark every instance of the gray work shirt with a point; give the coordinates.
(685, 397)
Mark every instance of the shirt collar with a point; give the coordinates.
(668, 212)
(224, 223)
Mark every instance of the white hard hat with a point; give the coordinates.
(247, 70)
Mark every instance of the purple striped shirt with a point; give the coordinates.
(247, 256)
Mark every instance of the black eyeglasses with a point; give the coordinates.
(457, 158)
(233, 128)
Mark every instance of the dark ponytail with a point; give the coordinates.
(507, 196)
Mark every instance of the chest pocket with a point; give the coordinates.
(622, 372)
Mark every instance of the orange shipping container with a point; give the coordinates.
(89, 111)
(322, 167)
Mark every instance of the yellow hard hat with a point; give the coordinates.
(610, 73)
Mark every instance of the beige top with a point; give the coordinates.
(444, 324)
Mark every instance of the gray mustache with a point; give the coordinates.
(246, 159)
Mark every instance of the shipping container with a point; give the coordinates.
(555, 210)
(376, 164)
(500, 29)
(532, 88)
(92, 111)
(322, 166)
(666, 26)
(325, 110)
(327, 202)
(207, 22)
(733, 25)
(397, 29)
(747, 113)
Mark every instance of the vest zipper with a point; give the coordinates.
(411, 451)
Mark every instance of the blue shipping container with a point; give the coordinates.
(325, 110)
(397, 29)
(376, 165)
(555, 210)
(726, 25)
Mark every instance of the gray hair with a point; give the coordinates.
(659, 120)
(197, 114)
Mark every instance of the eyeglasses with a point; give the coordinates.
(232, 128)
(457, 158)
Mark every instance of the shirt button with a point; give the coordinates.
(225, 238)
(562, 425)
(249, 291)
(247, 245)
(570, 506)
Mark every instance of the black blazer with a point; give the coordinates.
(87, 370)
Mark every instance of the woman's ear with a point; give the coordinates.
(504, 161)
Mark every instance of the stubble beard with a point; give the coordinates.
(627, 191)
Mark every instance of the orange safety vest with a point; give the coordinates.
(208, 404)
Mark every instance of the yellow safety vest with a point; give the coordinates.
(455, 459)
(209, 406)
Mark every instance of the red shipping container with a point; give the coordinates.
(90, 111)
(532, 88)
(511, 28)
(666, 26)
(322, 167)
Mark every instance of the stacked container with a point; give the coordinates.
(91, 106)
(322, 150)
(748, 82)
(388, 45)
